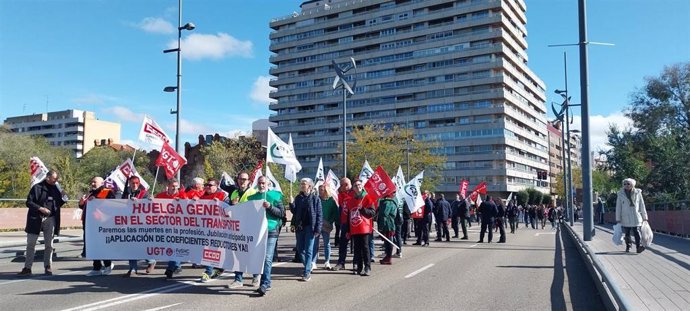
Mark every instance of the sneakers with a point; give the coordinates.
(204, 278)
(398, 255)
(327, 266)
(25, 272)
(216, 273)
(306, 278)
(640, 249)
(129, 274)
(255, 282)
(463, 238)
(49, 271)
(366, 272)
(168, 274)
(107, 270)
(262, 291)
(235, 284)
(338, 267)
(94, 273)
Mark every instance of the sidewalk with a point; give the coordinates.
(657, 279)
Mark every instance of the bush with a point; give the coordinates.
(535, 196)
(522, 197)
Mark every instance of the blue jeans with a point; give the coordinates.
(305, 247)
(326, 246)
(268, 262)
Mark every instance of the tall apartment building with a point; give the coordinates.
(74, 129)
(453, 70)
(556, 154)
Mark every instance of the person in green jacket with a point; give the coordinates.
(273, 205)
(329, 210)
(387, 213)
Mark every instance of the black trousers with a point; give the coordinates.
(511, 220)
(635, 232)
(405, 232)
(362, 256)
(422, 230)
(463, 225)
(487, 226)
(443, 233)
(501, 229)
(454, 224)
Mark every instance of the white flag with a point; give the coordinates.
(272, 182)
(38, 170)
(413, 195)
(120, 175)
(479, 200)
(320, 176)
(366, 172)
(277, 151)
(420, 178)
(399, 181)
(510, 196)
(255, 182)
(332, 185)
(152, 133)
(291, 170)
(226, 180)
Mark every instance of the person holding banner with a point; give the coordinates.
(98, 191)
(240, 194)
(273, 204)
(44, 202)
(197, 190)
(212, 192)
(172, 191)
(388, 214)
(135, 191)
(330, 216)
(345, 195)
(306, 222)
(361, 212)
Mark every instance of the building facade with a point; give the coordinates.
(74, 129)
(453, 70)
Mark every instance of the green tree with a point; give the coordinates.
(547, 199)
(577, 180)
(535, 196)
(232, 156)
(388, 147)
(522, 197)
(656, 150)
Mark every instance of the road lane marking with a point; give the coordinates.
(38, 278)
(164, 307)
(473, 245)
(419, 271)
(546, 233)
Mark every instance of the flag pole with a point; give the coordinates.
(155, 179)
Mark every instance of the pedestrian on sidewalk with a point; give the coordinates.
(98, 191)
(630, 212)
(44, 202)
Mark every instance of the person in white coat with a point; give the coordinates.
(630, 212)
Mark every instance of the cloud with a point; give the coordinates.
(155, 25)
(93, 99)
(188, 127)
(199, 46)
(261, 89)
(599, 127)
(124, 114)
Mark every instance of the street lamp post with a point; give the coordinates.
(178, 86)
(340, 78)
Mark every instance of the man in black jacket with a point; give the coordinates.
(489, 212)
(461, 213)
(44, 202)
(442, 216)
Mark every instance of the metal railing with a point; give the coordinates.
(610, 292)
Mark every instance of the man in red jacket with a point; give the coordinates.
(172, 191)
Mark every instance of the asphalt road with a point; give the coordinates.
(535, 270)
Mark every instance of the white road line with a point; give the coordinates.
(39, 278)
(164, 307)
(544, 233)
(473, 245)
(419, 271)
(279, 264)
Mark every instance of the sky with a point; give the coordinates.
(106, 56)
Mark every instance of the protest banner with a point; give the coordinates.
(205, 232)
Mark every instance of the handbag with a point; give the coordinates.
(646, 234)
(617, 234)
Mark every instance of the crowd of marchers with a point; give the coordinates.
(352, 221)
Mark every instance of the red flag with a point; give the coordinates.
(481, 188)
(463, 187)
(170, 160)
(379, 184)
